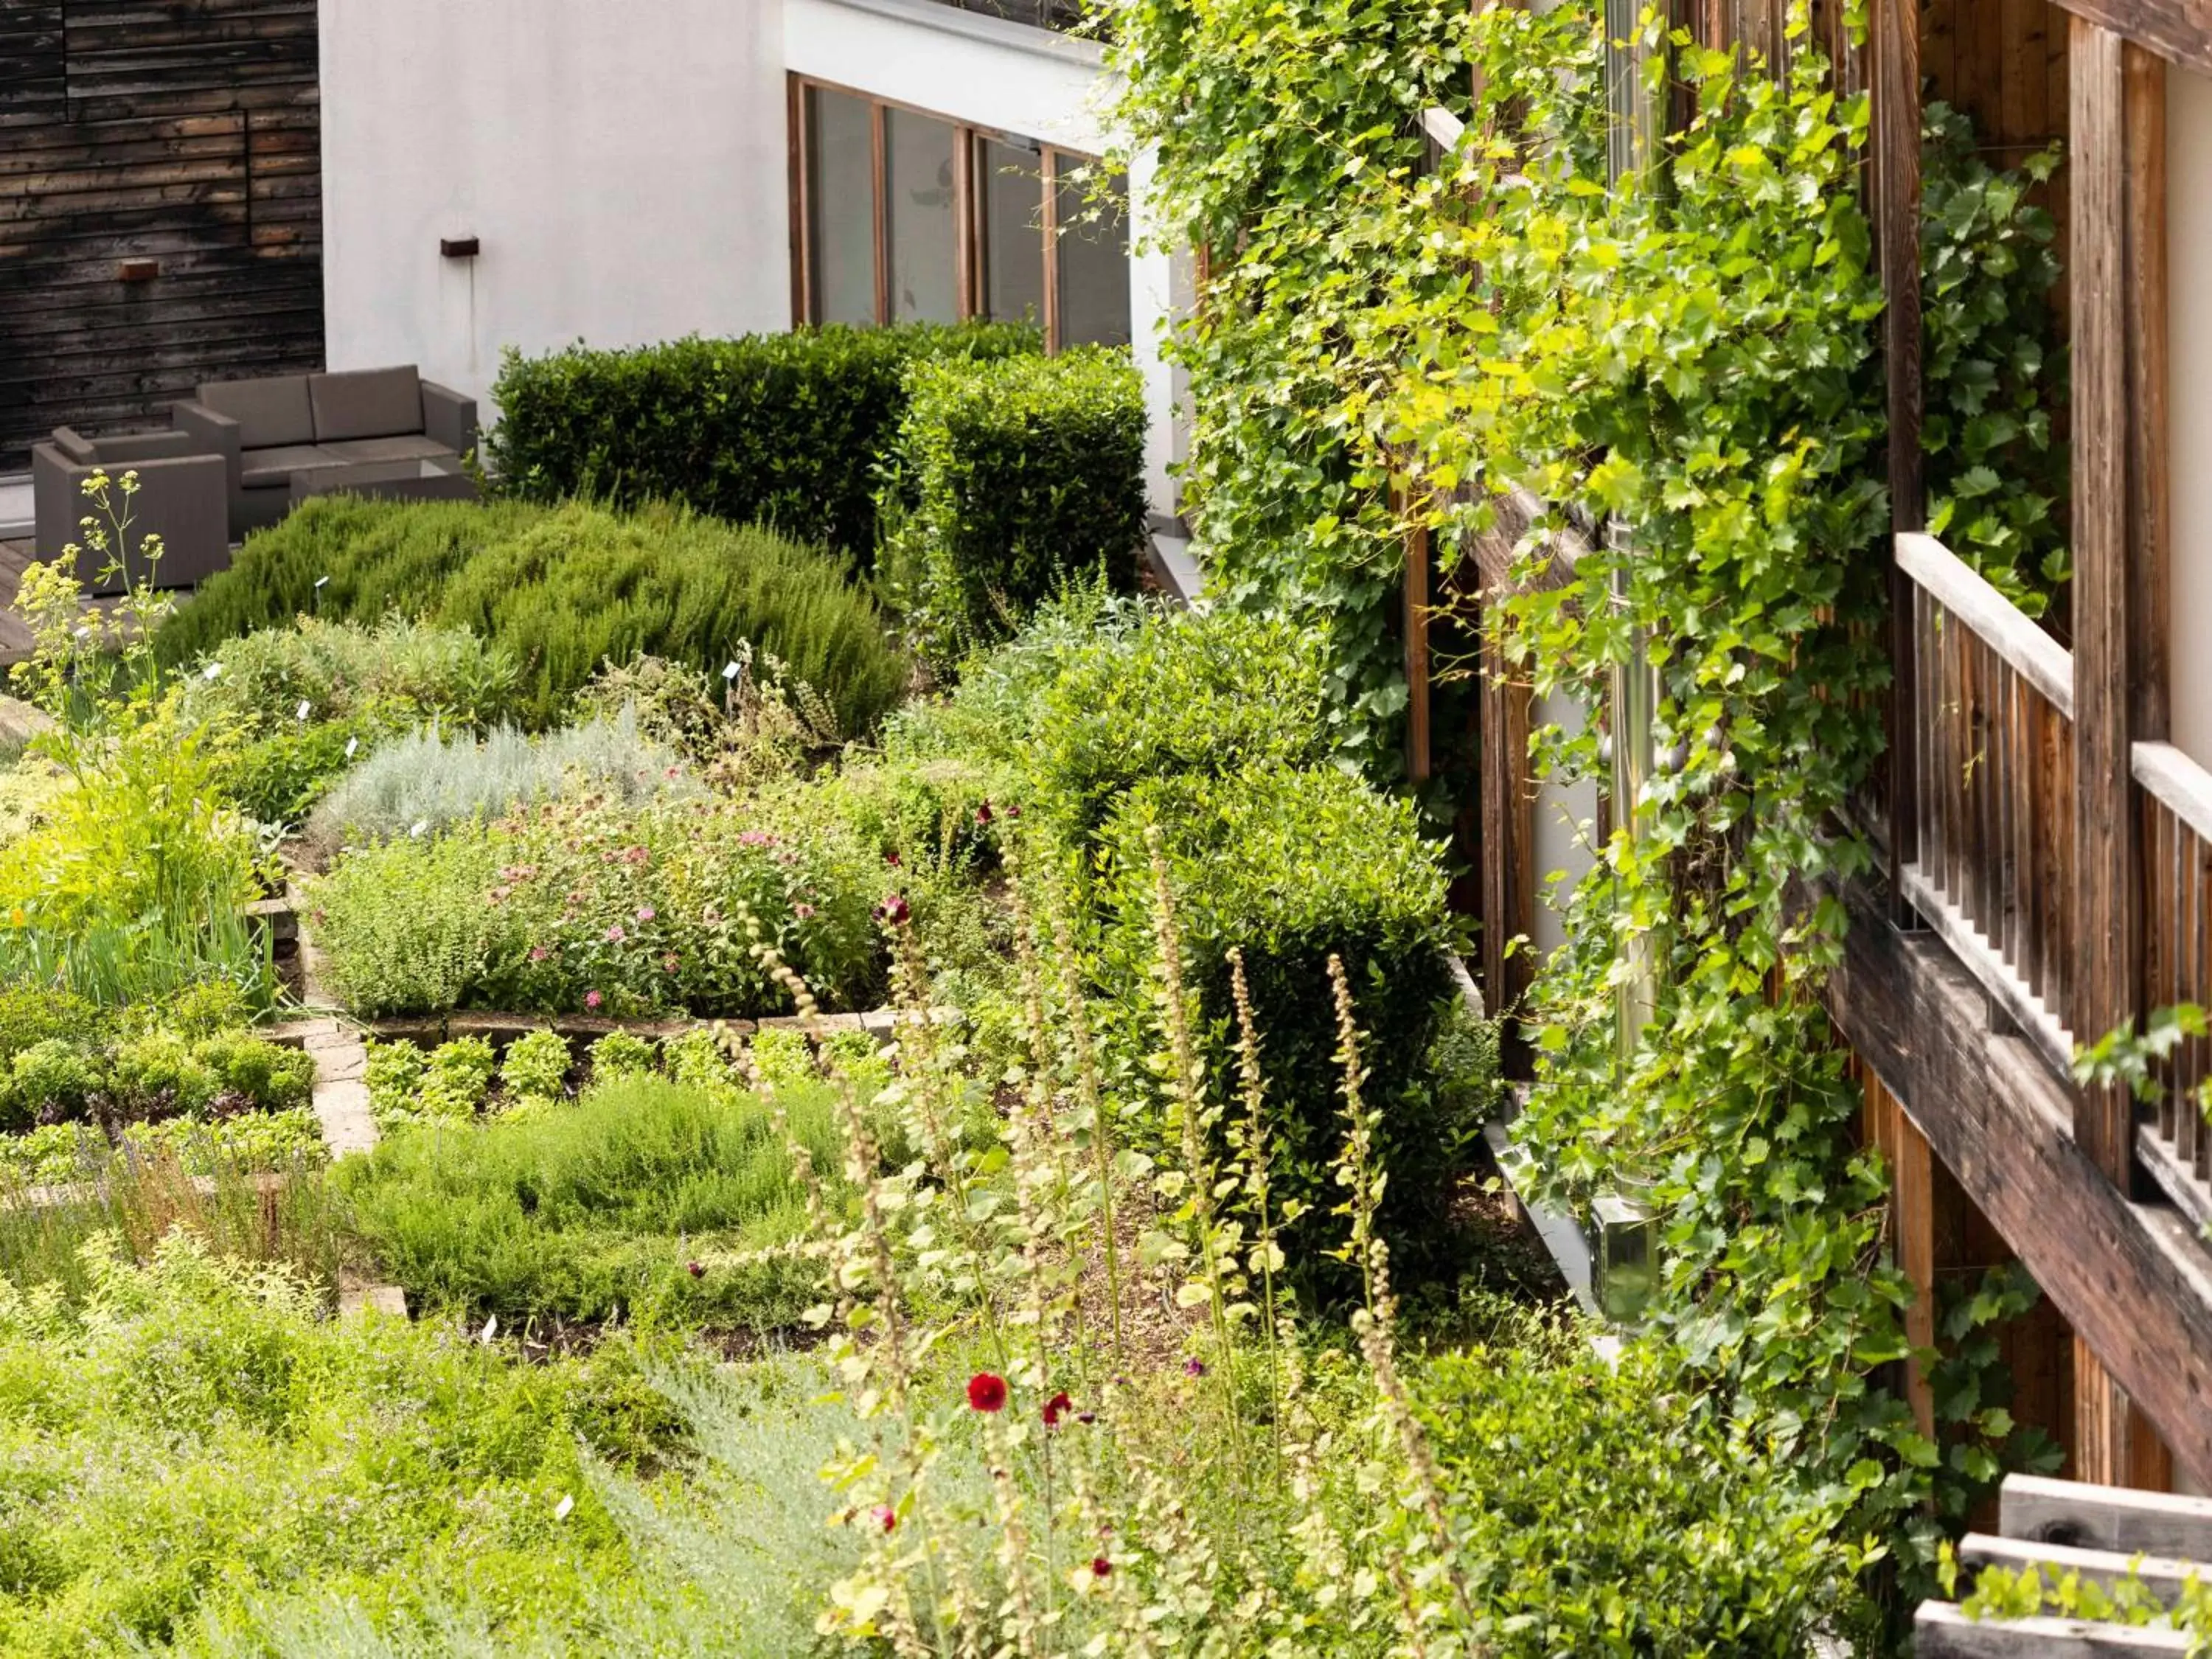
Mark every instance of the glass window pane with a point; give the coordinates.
(1011, 182)
(841, 205)
(1094, 260)
(918, 187)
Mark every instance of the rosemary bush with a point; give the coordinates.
(563, 592)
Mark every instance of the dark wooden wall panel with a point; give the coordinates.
(185, 131)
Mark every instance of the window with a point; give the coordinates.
(1090, 252)
(906, 217)
(921, 234)
(840, 182)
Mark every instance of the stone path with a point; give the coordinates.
(341, 1106)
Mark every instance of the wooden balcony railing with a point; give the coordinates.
(1992, 821)
(1994, 789)
(2174, 797)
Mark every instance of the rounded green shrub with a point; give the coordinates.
(781, 428)
(561, 591)
(1291, 867)
(1010, 476)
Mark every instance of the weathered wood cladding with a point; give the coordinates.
(188, 133)
(2131, 1279)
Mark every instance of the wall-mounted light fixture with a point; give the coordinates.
(458, 247)
(137, 271)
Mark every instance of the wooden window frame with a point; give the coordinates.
(1054, 162)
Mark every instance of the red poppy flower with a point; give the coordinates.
(894, 909)
(983, 813)
(1100, 1566)
(885, 1516)
(695, 1270)
(986, 1392)
(1055, 1408)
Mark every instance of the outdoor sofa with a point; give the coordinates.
(181, 496)
(267, 430)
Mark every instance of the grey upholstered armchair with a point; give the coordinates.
(181, 498)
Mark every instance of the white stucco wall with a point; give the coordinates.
(625, 165)
(622, 161)
(2188, 431)
(1017, 80)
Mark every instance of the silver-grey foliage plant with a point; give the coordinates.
(427, 782)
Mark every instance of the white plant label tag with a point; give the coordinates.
(730, 672)
(352, 743)
(303, 713)
(212, 671)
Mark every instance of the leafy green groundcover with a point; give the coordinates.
(194, 1437)
(647, 1198)
(580, 908)
(561, 591)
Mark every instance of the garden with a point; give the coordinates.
(747, 1047)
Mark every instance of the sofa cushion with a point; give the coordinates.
(268, 412)
(407, 447)
(267, 469)
(365, 402)
(130, 447)
(73, 445)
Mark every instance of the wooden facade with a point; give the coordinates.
(2049, 875)
(161, 205)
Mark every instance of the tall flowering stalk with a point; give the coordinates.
(1187, 1082)
(1091, 1096)
(1376, 1324)
(1267, 1254)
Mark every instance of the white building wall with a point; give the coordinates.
(2188, 430)
(625, 165)
(621, 164)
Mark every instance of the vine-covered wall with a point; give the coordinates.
(1694, 357)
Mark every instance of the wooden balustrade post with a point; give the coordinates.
(1896, 50)
(2116, 264)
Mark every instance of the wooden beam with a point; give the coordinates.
(2162, 1575)
(2149, 537)
(2178, 30)
(1912, 1199)
(1940, 1631)
(1896, 92)
(2114, 1443)
(1418, 666)
(2104, 986)
(2132, 1279)
(2117, 1519)
(1990, 616)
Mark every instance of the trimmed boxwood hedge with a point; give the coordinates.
(563, 590)
(1010, 476)
(782, 430)
(1291, 865)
